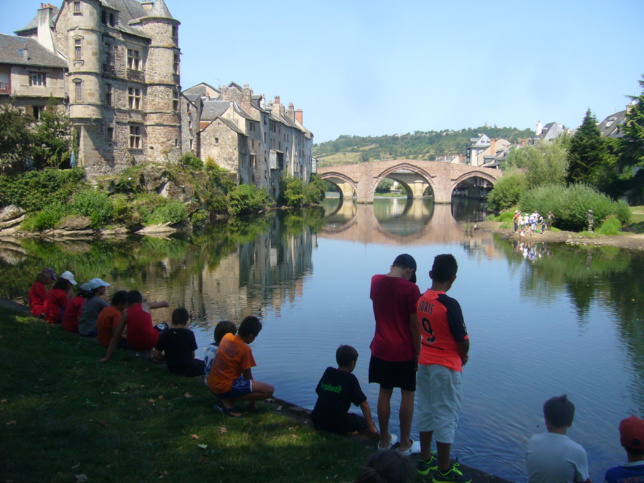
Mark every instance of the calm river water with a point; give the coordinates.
(544, 320)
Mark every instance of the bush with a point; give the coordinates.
(35, 190)
(191, 161)
(124, 213)
(94, 204)
(47, 218)
(246, 199)
(293, 191)
(611, 226)
(314, 190)
(130, 180)
(570, 205)
(172, 212)
(507, 191)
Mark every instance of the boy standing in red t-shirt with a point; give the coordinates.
(444, 348)
(230, 378)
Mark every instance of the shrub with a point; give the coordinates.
(507, 191)
(314, 190)
(611, 226)
(246, 199)
(172, 212)
(191, 161)
(124, 212)
(35, 190)
(94, 204)
(293, 191)
(47, 218)
(130, 180)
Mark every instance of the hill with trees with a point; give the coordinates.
(417, 145)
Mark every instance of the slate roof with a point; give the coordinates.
(160, 10)
(610, 127)
(231, 125)
(214, 109)
(26, 51)
(33, 25)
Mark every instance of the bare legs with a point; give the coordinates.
(444, 450)
(261, 390)
(405, 415)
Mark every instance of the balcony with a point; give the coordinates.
(5, 87)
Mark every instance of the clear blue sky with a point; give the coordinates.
(368, 67)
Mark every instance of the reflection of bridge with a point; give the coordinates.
(360, 224)
(363, 178)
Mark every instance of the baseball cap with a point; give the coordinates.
(68, 276)
(631, 433)
(406, 260)
(85, 287)
(51, 272)
(96, 283)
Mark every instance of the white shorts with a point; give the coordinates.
(439, 398)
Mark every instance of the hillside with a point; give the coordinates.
(418, 145)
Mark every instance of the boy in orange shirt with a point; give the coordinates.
(230, 377)
(109, 319)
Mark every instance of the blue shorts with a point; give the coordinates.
(241, 387)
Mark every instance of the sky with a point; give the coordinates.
(369, 67)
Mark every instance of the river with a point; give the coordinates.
(543, 320)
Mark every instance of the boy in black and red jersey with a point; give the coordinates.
(444, 348)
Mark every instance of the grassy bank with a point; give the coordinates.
(62, 414)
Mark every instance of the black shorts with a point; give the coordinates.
(393, 374)
(347, 423)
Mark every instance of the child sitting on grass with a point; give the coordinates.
(230, 378)
(108, 320)
(224, 327)
(337, 389)
(178, 344)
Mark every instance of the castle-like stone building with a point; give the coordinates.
(114, 67)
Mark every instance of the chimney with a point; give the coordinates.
(45, 36)
(523, 143)
(539, 129)
(290, 106)
(493, 147)
(277, 100)
(299, 116)
(147, 5)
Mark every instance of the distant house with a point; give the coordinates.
(259, 141)
(549, 132)
(486, 152)
(611, 126)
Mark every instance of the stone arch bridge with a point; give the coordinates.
(415, 175)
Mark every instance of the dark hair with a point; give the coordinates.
(558, 411)
(249, 326)
(224, 327)
(44, 278)
(119, 297)
(405, 260)
(180, 316)
(134, 297)
(62, 284)
(345, 355)
(444, 268)
(385, 467)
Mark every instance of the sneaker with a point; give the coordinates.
(454, 474)
(423, 467)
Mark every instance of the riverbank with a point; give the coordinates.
(631, 241)
(65, 417)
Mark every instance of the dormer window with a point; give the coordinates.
(76, 8)
(112, 19)
(133, 59)
(78, 49)
(175, 32)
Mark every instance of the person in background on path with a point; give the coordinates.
(553, 456)
(142, 334)
(591, 220)
(109, 318)
(74, 307)
(337, 390)
(38, 292)
(543, 224)
(231, 378)
(551, 218)
(93, 306)
(631, 437)
(445, 345)
(516, 219)
(178, 344)
(385, 466)
(395, 348)
(223, 327)
(57, 298)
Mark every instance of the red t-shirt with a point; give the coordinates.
(72, 313)
(441, 327)
(106, 322)
(141, 334)
(233, 357)
(37, 294)
(394, 301)
(55, 303)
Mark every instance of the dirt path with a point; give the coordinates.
(630, 241)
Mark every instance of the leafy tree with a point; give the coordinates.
(385, 185)
(16, 137)
(587, 152)
(507, 191)
(52, 138)
(545, 162)
(631, 162)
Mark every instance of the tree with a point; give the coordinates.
(507, 191)
(545, 163)
(52, 138)
(16, 137)
(587, 152)
(385, 185)
(631, 163)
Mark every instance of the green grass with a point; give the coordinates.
(63, 413)
(637, 219)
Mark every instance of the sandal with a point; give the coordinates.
(232, 412)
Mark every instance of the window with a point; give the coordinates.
(175, 32)
(109, 54)
(78, 49)
(37, 110)
(216, 140)
(175, 66)
(133, 59)
(108, 94)
(134, 98)
(77, 8)
(175, 101)
(135, 137)
(104, 17)
(37, 79)
(110, 134)
(112, 20)
(78, 90)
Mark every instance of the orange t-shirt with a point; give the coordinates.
(106, 322)
(233, 357)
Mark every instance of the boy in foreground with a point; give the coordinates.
(631, 437)
(553, 456)
(179, 345)
(337, 389)
(230, 378)
(443, 353)
(224, 327)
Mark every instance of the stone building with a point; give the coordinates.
(261, 142)
(119, 65)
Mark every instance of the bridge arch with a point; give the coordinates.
(415, 190)
(347, 186)
(472, 175)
